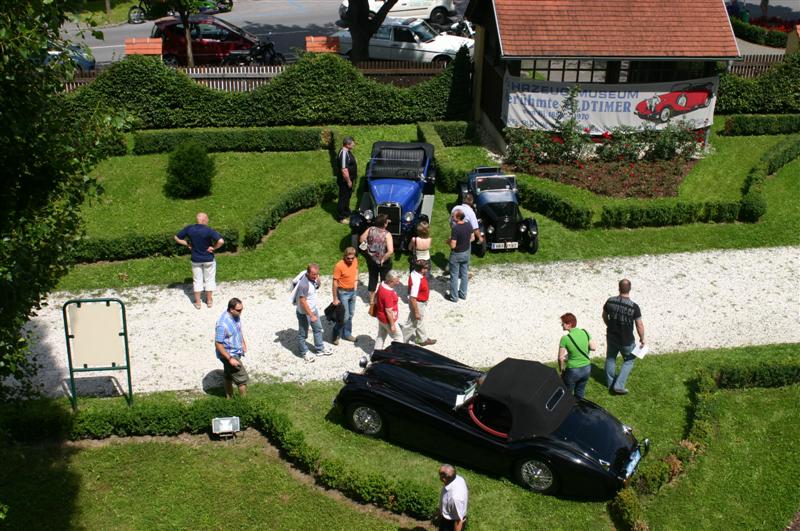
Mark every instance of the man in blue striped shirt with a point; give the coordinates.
(230, 347)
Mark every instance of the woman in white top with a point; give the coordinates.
(420, 245)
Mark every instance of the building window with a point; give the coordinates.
(566, 70)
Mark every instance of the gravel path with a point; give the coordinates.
(689, 301)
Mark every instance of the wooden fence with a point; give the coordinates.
(247, 78)
(755, 65)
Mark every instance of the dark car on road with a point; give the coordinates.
(517, 419)
(400, 181)
(497, 209)
(212, 39)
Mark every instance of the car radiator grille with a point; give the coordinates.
(393, 211)
(505, 230)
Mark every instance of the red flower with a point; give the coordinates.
(557, 140)
(606, 135)
(587, 130)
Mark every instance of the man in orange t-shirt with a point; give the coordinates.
(345, 281)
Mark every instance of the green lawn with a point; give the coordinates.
(166, 485)
(133, 202)
(96, 9)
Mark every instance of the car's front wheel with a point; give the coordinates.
(665, 115)
(439, 16)
(531, 239)
(366, 419)
(442, 60)
(535, 474)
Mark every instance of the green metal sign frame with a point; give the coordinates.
(69, 336)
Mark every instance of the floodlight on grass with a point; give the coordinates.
(225, 426)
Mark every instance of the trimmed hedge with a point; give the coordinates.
(318, 89)
(232, 139)
(749, 124)
(660, 213)
(142, 246)
(626, 507)
(757, 34)
(457, 133)
(164, 414)
(557, 208)
(753, 204)
(291, 201)
(773, 92)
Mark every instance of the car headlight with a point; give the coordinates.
(522, 228)
(408, 217)
(345, 375)
(368, 215)
(490, 229)
(363, 362)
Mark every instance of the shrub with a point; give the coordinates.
(626, 509)
(621, 144)
(752, 207)
(231, 139)
(675, 141)
(746, 124)
(757, 34)
(456, 133)
(189, 172)
(761, 375)
(651, 476)
(773, 92)
(554, 207)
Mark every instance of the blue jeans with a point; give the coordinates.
(459, 280)
(302, 332)
(576, 379)
(611, 364)
(348, 301)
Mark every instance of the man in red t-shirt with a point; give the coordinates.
(387, 311)
(418, 293)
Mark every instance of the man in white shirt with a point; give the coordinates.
(452, 500)
(308, 314)
(469, 215)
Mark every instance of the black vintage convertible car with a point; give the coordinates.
(516, 419)
(497, 209)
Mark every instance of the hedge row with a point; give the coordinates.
(292, 201)
(133, 246)
(626, 507)
(749, 124)
(318, 89)
(164, 414)
(757, 34)
(773, 92)
(753, 204)
(555, 207)
(660, 213)
(232, 139)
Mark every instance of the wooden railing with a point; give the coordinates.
(755, 65)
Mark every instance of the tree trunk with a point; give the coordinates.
(108, 7)
(187, 32)
(362, 28)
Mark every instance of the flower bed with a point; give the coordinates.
(642, 179)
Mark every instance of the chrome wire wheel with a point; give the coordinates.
(367, 420)
(536, 475)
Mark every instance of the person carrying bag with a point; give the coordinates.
(380, 249)
(573, 355)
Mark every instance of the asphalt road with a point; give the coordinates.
(288, 20)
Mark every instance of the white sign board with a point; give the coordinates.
(535, 104)
(97, 335)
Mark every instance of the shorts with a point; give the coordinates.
(238, 374)
(204, 276)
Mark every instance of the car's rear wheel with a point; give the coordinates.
(136, 15)
(366, 419)
(225, 5)
(278, 59)
(439, 16)
(536, 474)
(171, 60)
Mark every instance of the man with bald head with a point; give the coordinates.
(621, 314)
(202, 240)
(453, 499)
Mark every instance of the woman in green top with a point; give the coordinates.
(573, 355)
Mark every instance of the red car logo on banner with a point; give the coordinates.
(683, 98)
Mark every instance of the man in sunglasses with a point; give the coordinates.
(230, 347)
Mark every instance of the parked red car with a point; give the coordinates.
(683, 98)
(212, 39)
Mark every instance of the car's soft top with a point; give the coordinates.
(377, 147)
(533, 393)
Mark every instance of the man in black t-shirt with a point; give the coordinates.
(347, 172)
(202, 240)
(460, 237)
(620, 314)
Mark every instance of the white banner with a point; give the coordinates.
(535, 104)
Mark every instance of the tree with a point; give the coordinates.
(46, 152)
(362, 26)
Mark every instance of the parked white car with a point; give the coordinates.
(437, 11)
(409, 40)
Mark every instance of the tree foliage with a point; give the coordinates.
(363, 25)
(185, 8)
(46, 152)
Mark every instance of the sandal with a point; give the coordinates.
(197, 305)
(210, 304)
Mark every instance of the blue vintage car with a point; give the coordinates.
(400, 184)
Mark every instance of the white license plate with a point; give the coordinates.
(500, 245)
(635, 458)
(512, 245)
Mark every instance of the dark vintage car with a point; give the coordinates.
(212, 39)
(517, 419)
(400, 182)
(497, 208)
(683, 98)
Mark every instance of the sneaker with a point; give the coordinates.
(619, 391)
(352, 339)
(327, 351)
(335, 341)
(427, 342)
(310, 357)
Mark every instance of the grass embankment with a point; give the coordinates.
(96, 10)
(314, 234)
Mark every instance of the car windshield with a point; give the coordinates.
(423, 31)
(483, 184)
